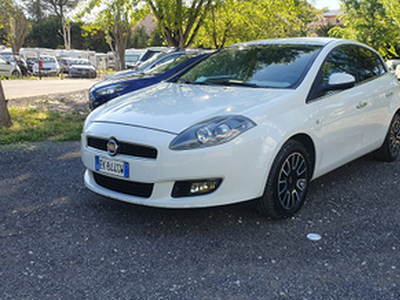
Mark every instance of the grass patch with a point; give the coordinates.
(31, 125)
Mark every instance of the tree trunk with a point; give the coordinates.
(66, 34)
(5, 119)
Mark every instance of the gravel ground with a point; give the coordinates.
(58, 240)
(63, 102)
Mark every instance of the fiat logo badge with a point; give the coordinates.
(112, 147)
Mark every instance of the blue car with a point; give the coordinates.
(107, 90)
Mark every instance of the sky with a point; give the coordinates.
(331, 4)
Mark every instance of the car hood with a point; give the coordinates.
(173, 107)
(82, 67)
(47, 65)
(118, 80)
(124, 73)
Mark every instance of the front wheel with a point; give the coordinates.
(390, 149)
(287, 183)
(15, 73)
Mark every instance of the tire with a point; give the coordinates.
(390, 149)
(287, 182)
(15, 73)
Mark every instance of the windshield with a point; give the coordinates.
(131, 58)
(9, 57)
(48, 59)
(170, 64)
(80, 62)
(264, 66)
(150, 60)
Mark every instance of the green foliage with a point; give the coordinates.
(233, 21)
(14, 24)
(157, 38)
(323, 30)
(369, 22)
(45, 34)
(139, 38)
(30, 125)
(180, 20)
(117, 18)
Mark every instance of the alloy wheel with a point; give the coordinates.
(292, 181)
(395, 137)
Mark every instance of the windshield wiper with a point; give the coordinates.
(196, 82)
(236, 83)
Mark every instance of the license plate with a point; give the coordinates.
(114, 167)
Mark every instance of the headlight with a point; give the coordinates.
(211, 132)
(111, 89)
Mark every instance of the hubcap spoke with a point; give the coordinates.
(292, 181)
(395, 138)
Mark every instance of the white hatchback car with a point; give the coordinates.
(256, 120)
(8, 69)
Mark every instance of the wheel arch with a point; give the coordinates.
(308, 143)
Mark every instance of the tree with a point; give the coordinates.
(60, 7)
(14, 23)
(323, 30)
(139, 38)
(116, 18)
(38, 9)
(232, 21)
(392, 8)
(367, 21)
(180, 20)
(5, 119)
(221, 24)
(45, 34)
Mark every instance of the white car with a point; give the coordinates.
(392, 65)
(81, 68)
(50, 66)
(8, 69)
(257, 120)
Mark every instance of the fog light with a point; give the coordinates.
(202, 187)
(195, 188)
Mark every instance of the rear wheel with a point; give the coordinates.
(390, 149)
(287, 183)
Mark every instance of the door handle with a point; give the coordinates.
(361, 105)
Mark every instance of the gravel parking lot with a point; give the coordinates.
(60, 241)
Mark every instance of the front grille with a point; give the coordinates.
(124, 148)
(137, 189)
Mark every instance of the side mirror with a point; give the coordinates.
(8, 62)
(340, 81)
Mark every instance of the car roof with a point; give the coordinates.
(314, 41)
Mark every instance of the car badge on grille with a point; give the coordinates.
(112, 147)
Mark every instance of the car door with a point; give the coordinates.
(5, 68)
(341, 122)
(377, 90)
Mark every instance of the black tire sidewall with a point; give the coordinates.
(269, 203)
(392, 157)
(384, 152)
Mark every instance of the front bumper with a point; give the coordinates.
(83, 74)
(239, 164)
